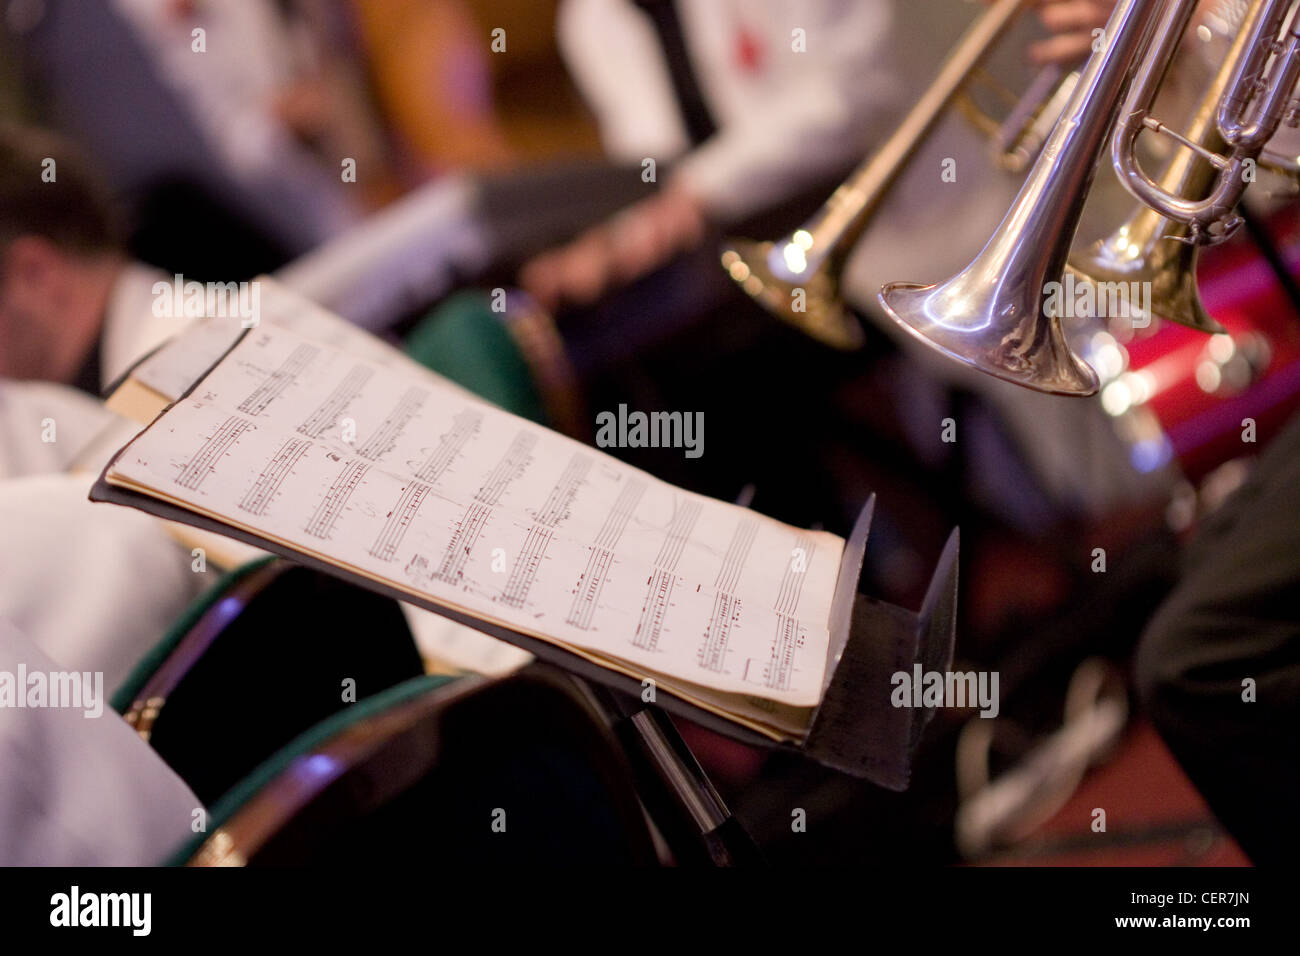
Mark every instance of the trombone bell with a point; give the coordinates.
(811, 302)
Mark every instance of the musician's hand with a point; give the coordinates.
(636, 241)
(1071, 24)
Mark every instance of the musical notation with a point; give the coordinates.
(398, 520)
(733, 563)
(450, 446)
(560, 499)
(592, 580)
(726, 606)
(510, 467)
(554, 510)
(466, 534)
(205, 460)
(777, 673)
(273, 385)
(787, 596)
(326, 415)
(336, 499)
(272, 476)
(467, 531)
(659, 592)
(384, 438)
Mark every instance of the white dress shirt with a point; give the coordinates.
(81, 790)
(95, 586)
(784, 118)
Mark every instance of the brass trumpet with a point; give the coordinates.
(996, 314)
(810, 259)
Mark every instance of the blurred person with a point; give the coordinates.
(234, 115)
(74, 308)
(748, 104)
(1033, 460)
(1218, 667)
(93, 587)
(82, 588)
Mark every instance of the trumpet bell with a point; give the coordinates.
(979, 324)
(810, 302)
(1166, 266)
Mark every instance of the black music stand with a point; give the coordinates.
(855, 729)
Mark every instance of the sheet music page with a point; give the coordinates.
(412, 481)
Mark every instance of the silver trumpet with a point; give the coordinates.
(996, 314)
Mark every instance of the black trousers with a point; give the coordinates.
(1230, 631)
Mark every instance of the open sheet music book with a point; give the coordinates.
(394, 476)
